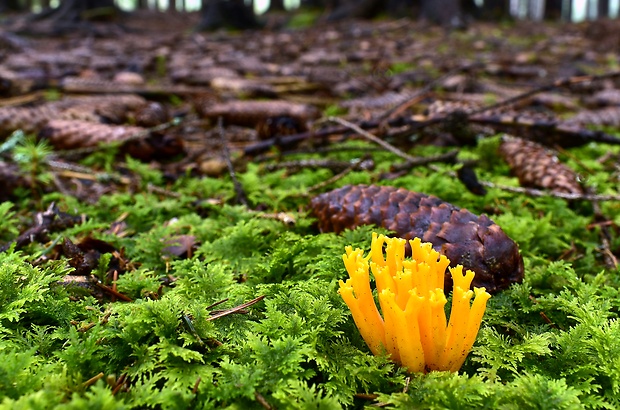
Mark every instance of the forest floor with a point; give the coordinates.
(158, 246)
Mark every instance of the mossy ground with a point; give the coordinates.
(552, 342)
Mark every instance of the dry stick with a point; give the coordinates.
(371, 137)
(80, 171)
(568, 133)
(120, 382)
(331, 164)
(563, 82)
(153, 188)
(519, 190)
(611, 262)
(583, 134)
(241, 196)
(265, 145)
(538, 192)
(423, 92)
(447, 157)
(236, 309)
(92, 380)
(354, 165)
(112, 291)
(195, 389)
(263, 402)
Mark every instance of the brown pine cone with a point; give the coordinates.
(250, 113)
(475, 242)
(67, 134)
(536, 166)
(152, 114)
(27, 119)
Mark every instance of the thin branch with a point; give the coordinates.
(373, 138)
(562, 195)
(355, 164)
(562, 82)
(241, 196)
(236, 309)
(420, 94)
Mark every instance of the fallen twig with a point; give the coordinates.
(355, 164)
(240, 192)
(236, 309)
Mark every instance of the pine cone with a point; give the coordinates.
(475, 242)
(538, 167)
(65, 134)
(152, 114)
(27, 119)
(250, 113)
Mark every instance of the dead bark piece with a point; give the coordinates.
(250, 113)
(244, 86)
(67, 134)
(536, 166)
(475, 242)
(52, 219)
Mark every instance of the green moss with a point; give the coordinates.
(551, 342)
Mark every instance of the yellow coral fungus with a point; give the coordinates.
(413, 330)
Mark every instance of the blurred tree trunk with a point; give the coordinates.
(603, 8)
(11, 5)
(443, 12)
(276, 5)
(312, 3)
(470, 8)
(536, 9)
(567, 10)
(399, 8)
(357, 9)
(143, 4)
(227, 13)
(495, 10)
(553, 9)
(73, 16)
(76, 10)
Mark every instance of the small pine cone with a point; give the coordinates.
(27, 119)
(152, 114)
(66, 134)
(536, 166)
(125, 101)
(475, 242)
(279, 126)
(441, 108)
(250, 113)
